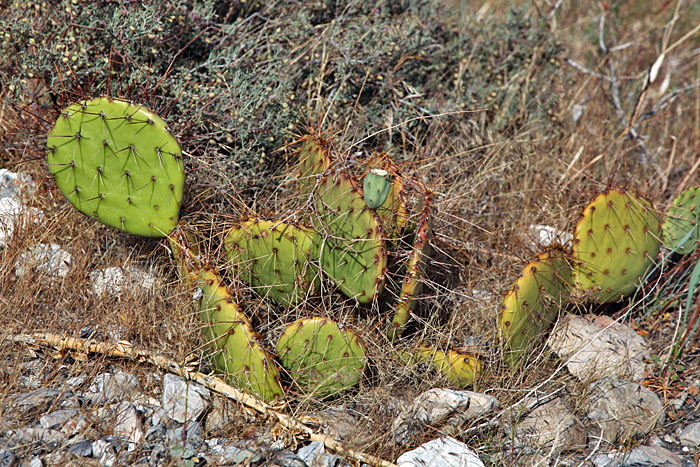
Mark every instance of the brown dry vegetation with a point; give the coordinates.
(489, 186)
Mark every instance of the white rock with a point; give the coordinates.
(690, 436)
(57, 418)
(551, 424)
(577, 112)
(596, 346)
(118, 386)
(114, 280)
(184, 400)
(127, 423)
(13, 214)
(621, 410)
(647, 456)
(547, 236)
(47, 258)
(103, 450)
(12, 184)
(443, 452)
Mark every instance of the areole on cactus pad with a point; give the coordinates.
(118, 163)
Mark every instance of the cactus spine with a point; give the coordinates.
(118, 163)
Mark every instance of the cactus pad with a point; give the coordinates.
(681, 228)
(415, 271)
(349, 243)
(314, 159)
(615, 243)
(376, 187)
(532, 304)
(238, 350)
(118, 163)
(321, 358)
(273, 257)
(458, 368)
(384, 191)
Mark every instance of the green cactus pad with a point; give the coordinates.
(376, 187)
(314, 159)
(349, 243)
(238, 350)
(118, 163)
(321, 359)
(183, 249)
(458, 368)
(415, 271)
(533, 303)
(615, 242)
(681, 227)
(273, 257)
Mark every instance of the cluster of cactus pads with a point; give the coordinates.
(615, 245)
(118, 163)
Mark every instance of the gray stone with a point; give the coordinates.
(81, 448)
(127, 423)
(57, 418)
(596, 346)
(13, 214)
(312, 453)
(35, 400)
(156, 433)
(443, 452)
(647, 456)
(551, 425)
(437, 407)
(50, 259)
(622, 409)
(108, 387)
(74, 425)
(7, 459)
(36, 462)
(223, 452)
(184, 400)
(192, 435)
(14, 184)
(690, 436)
(30, 435)
(286, 459)
(105, 452)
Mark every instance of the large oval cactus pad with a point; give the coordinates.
(314, 159)
(321, 358)
(273, 257)
(118, 163)
(681, 227)
(533, 303)
(615, 242)
(349, 243)
(238, 351)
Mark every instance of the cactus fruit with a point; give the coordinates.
(532, 304)
(348, 243)
(273, 257)
(615, 243)
(118, 162)
(314, 159)
(681, 228)
(238, 351)
(376, 187)
(415, 271)
(321, 358)
(459, 369)
(384, 191)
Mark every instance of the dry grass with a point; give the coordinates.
(489, 188)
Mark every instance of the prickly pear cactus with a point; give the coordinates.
(414, 273)
(458, 368)
(681, 227)
(321, 359)
(273, 257)
(349, 243)
(118, 163)
(533, 303)
(615, 243)
(238, 350)
(314, 159)
(376, 187)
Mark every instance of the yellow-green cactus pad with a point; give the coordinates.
(118, 163)
(314, 159)
(681, 227)
(321, 359)
(273, 257)
(238, 350)
(533, 303)
(458, 368)
(615, 243)
(348, 244)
